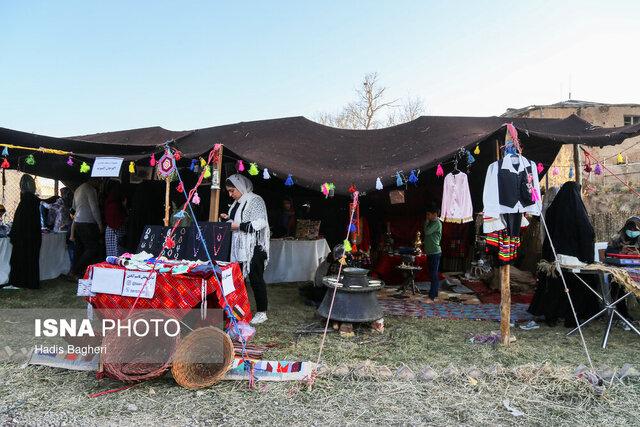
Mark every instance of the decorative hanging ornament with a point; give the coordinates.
(177, 155)
(413, 178)
(265, 174)
(30, 160)
(5, 164)
(132, 167)
(619, 159)
(587, 168)
(352, 188)
(203, 162)
(180, 214)
(439, 170)
(166, 165)
(84, 167)
(253, 169)
(477, 150)
(352, 228)
(540, 168)
(399, 180)
(346, 245)
(570, 172)
(598, 169)
(555, 171)
(324, 188)
(379, 185)
(193, 164)
(70, 161)
(289, 181)
(240, 166)
(5, 152)
(470, 158)
(180, 187)
(207, 172)
(196, 198)
(169, 243)
(152, 160)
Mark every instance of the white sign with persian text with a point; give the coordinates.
(134, 284)
(106, 167)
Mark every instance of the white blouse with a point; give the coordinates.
(456, 199)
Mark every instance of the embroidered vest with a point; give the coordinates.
(512, 187)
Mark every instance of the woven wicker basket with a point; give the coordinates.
(202, 358)
(132, 358)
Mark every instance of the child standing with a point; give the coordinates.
(432, 237)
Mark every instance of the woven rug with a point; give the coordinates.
(453, 311)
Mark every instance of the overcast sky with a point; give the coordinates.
(75, 67)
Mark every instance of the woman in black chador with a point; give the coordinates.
(26, 238)
(572, 234)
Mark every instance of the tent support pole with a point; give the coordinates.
(505, 292)
(167, 207)
(576, 163)
(214, 203)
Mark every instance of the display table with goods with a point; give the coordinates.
(54, 257)
(295, 260)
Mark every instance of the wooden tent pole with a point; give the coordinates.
(505, 292)
(214, 203)
(167, 207)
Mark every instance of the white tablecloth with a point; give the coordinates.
(54, 257)
(295, 260)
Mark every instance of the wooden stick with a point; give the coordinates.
(167, 207)
(214, 203)
(505, 304)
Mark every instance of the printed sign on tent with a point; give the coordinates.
(106, 167)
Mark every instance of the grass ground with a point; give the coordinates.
(535, 374)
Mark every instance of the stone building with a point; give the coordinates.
(598, 114)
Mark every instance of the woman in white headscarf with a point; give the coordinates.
(250, 238)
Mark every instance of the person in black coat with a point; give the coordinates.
(26, 238)
(572, 234)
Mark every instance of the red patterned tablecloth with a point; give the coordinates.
(181, 292)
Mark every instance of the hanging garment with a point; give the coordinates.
(456, 199)
(507, 240)
(511, 186)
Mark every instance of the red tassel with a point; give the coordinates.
(5, 164)
(152, 160)
(177, 155)
(352, 188)
(180, 187)
(169, 243)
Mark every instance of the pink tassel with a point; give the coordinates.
(439, 170)
(196, 198)
(240, 166)
(535, 197)
(152, 160)
(555, 171)
(540, 168)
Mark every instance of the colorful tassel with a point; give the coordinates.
(477, 150)
(84, 167)
(535, 197)
(207, 172)
(399, 180)
(619, 159)
(5, 152)
(177, 155)
(470, 158)
(203, 162)
(540, 168)
(240, 166)
(346, 245)
(598, 169)
(30, 160)
(324, 188)
(196, 198)
(70, 161)
(180, 187)
(439, 171)
(180, 214)
(152, 160)
(5, 164)
(587, 168)
(169, 243)
(253, 169)
(555, 171)
(570, 171)
(379, 185)
(289, 181)
(413, 178)
(352, 188)
(265, 174)
(352, 228)
(132, 167)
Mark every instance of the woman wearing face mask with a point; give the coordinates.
(250, 238)
(627, 240)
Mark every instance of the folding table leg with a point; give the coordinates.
(608, 330)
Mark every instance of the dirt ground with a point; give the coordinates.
(470, 384)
